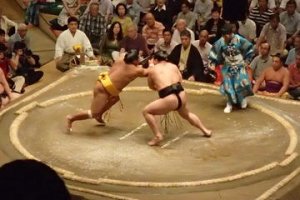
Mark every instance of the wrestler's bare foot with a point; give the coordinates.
(69, 123)
(156, 140)
(208, 133)
(100, 121)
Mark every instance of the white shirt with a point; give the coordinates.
(176, 36)
(247, 30)
(161, 46)
(66, 41)
(204, 51)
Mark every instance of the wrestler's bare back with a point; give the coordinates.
(121, 74)
(163, 74)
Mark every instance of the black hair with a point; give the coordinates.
(110, 32)
(3, 48)
(19, 45)
(226, 29)
(2, 32)
(168, 30)
(117, 7)
(185, 33)
(160, 55)
(292, 2)
(31, 179)
(275, 17)
(131, 56)
(280, 56)
(72, 19)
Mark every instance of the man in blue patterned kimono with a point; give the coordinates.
(234, 53)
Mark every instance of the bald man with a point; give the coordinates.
(203, 46)
(180, 26)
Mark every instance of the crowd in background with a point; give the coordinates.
(189, 31)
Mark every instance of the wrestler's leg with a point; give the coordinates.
(158, 107)
(98, 103)
(192, 118)
(111, 101)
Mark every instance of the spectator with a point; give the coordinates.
(261, 62)
(106, 8)
(133, 10)
(71, 9)
(214, 25)
(181, 25)
(290, 19)
(294, 70)
(275, 34)
(284, 2)
(162, 13)
(203, 46)
(23, 64)
(32, 180)
(6, 24)
(203, 10)
(271, 4)
(121, 16)
(111, 43)
(134, 40)
(276, 77)
(247, 28)
(188, 59)
(20, 35)
(16, 83)
(186, 14)
(5, 92)
(292, 53)
(260, 15)
(152, 31)
(166, 43)
(93, 24)
(2, 38)
(64, 47)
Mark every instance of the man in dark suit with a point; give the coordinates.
(188, 59)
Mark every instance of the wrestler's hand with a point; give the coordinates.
(191, 78)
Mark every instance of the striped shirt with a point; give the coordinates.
(260, 19)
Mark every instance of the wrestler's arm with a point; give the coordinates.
(259, 81)
(285, 84)
(142, 71)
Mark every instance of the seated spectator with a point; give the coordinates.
(20, 35)
(275, 34)
(260, 15)
(203, 46)
(188, 59)
(261, 62)
(271, 4)
(152, 31)
(122, 17)
(111, 43)
(33, 10)
(162, 13)
(133, 10)
(93, 24)
(106, 8)
(2, 38)
(134, 40)
(6, 95)
(71, 9)
(294, 69)
(276, 77)
(214, 25)
(292, 53)
(6, 24)
(166, 43)
(247, 28)
(290, 19)
(180, 26)
(23, 64)
(186, 14)
(283, 3)
(203, 10)
(16, 83)
(32, 180)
